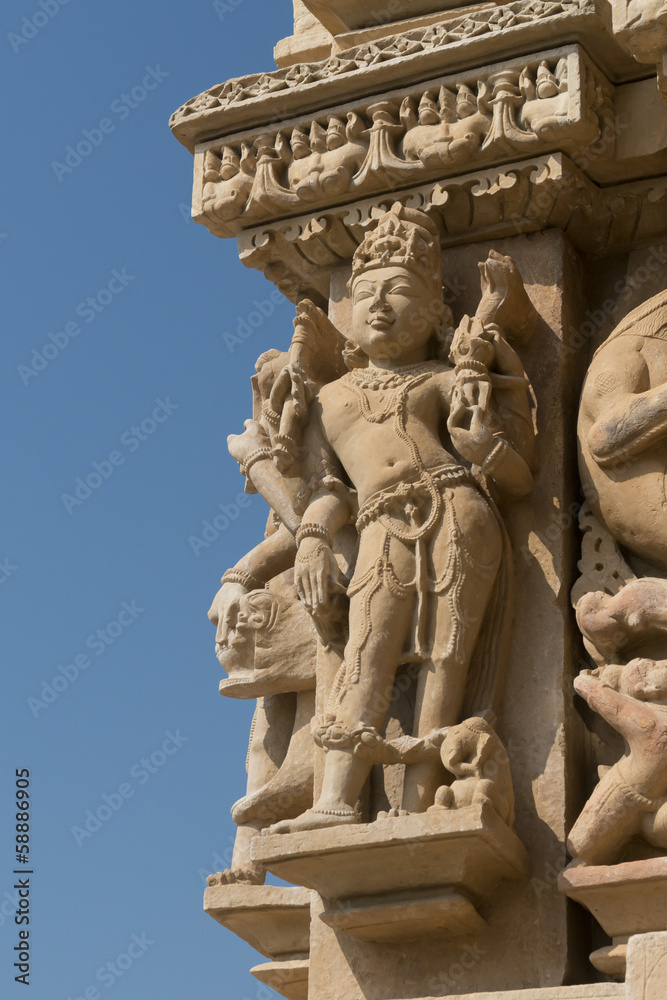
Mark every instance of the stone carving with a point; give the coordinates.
(521, 197)
(470, 123)
(265, 639)
(621, 600)
(387, 519)
(474, 754)
(386, 52)
(267, 646)
(641, 26)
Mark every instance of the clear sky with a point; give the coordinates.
(115, 371)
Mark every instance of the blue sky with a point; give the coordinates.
(100, 584)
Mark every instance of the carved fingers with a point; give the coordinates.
(316, 574)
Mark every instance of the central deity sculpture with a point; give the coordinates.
(384, 455)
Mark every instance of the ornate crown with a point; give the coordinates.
(403, 237)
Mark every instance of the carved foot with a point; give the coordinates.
(314, 820)
(239, 876)
(392, 813)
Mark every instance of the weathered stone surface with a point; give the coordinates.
(288, 977)
(469, 848)
(647, 967)
(272, 919)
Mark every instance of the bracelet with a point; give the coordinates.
(314, 531)
(270, 415)
(471, 366)
(495, 456)
(246, 580)
(255, 456)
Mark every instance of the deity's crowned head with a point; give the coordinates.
(404, 237)
(396, 289)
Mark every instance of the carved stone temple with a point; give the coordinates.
(455, 626)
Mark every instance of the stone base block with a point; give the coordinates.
(272, 919)
(405, 916)
(470, 849)
(625, 899)
(289, 977)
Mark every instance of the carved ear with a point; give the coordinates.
(447, 102)
(408, 114)
(484, 94)
(561, 74)
(526, 86)
(428, 111)
(356, 126)
(547, 85)
(248, 160)
(283, 148)
(213, 165)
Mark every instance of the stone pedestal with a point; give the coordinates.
(626, 899)
(276, 922)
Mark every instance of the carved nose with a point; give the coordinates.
(378, 304)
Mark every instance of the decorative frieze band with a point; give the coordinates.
(550, 101)
(297, 254)
(466, 40)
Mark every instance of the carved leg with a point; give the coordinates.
(381, 611)
(466, 554)
(290, 790)
(610, 818)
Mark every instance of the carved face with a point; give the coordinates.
(394, 314)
